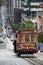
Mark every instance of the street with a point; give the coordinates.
(8, 57)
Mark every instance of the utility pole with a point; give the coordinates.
(28, 11)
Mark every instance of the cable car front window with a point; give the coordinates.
(27, 37)
(32, 38)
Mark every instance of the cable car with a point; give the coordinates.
(26, 42)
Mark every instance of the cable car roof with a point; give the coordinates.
(26, 32)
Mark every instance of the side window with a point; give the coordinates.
(21, 38)
(27, 37)
(32, 38)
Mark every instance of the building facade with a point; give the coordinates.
(33, 6)
(17, 11)
(0, 12)
(24, 8)
(10, 10)
(40, 18)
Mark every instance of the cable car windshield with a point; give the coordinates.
(27, 37)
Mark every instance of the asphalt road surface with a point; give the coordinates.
(9, 58)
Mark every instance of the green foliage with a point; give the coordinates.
(28, 25)
(16, 26)
(40, 37)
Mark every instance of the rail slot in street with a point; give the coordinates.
(33, 61)
(36, 60)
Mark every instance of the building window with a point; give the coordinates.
(18, 0)
(16, 5)
(25, 0)
(15, 2)
(41, 27)
(34, 6)
(36, 0)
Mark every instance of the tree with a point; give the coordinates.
(14, 27)
(28, 25)
(40, 37)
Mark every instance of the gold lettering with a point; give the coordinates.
(21, 46)
(32, 47)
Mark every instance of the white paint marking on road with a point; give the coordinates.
(13, 58)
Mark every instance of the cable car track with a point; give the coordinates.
(36, 60)
(33, 61)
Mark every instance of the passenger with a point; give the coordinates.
(14, 43)
(38, 46)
